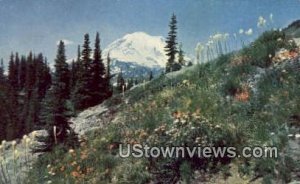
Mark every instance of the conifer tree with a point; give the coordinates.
(82, 93)
(150, 76)
(97, 75)
(181, 60)
(130, 84)
(171, 44)
(30, 74)
(2, 76)
(22, 72)
(120, 82)
(54, 114)
(62, 73)
(73, 77)
(108, 87)
(17, 71)
(43, 76)
(75, 70)
(12, 73)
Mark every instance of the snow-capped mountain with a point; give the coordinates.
(138, 48)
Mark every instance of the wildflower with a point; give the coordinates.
(272, 133)
(143, 135)
(48, 166)
(271, 17)
(71, 151)
(27, 140)
(261, 21)
(34, 134)
(49, 182)
(62, 168)
(297, 136)
(3, 142)
(217, 37)
(13, 143)
(198, 139)
(103, 139)
(225, 36)
(16, 154)
(249, 32)
(25, 137)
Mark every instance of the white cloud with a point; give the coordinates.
(66, 42)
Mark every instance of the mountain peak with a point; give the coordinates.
(139, 48)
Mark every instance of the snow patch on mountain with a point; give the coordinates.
(139, 48)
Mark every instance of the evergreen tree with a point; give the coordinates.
(120, 82)
(75, 69)
(82, 97)
(181, 60)
(8, 114)
(30, 73)
(97, 75)
(13, 73)
(150, 76)
(43, 76)
(73, 77)
(171, 44)
(17, 71)
(130, 83)
(54, 114)
(108, 87)
(62, 73)
(2, 76)
(22, 72)
(136, 82)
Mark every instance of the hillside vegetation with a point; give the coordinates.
(240, 99)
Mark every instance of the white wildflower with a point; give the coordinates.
(241, 31)
(271, 17)
(249, 32)
(14, 143)
(261, 21)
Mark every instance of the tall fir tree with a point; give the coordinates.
(97, 75)
(2, 76)
(181, 60)
(150, 75)
(55, 112)
(120, 82)
(81, 96)
(108, 87)
(62, 73)
(17, 71)
(171, 44)
(73, 77)
(76, 69)
(22, 72)
(13, 73)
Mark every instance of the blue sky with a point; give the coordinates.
(38, 24)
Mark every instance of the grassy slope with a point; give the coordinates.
(214, 104)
